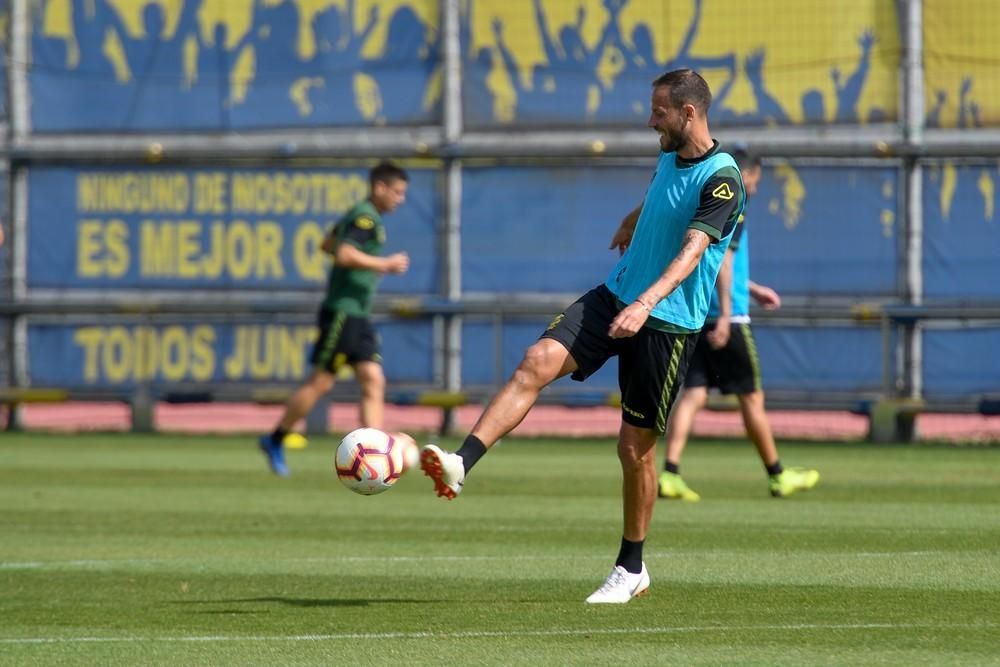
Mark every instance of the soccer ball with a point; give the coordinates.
(370, 461)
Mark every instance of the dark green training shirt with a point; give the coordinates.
(350, 291)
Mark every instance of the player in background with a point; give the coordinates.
(648, 313)
(726, 358)
(346, 334)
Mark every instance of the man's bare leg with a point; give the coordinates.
(637, 455)
(543, 362)
(682, 421)
(679, 426)
(297, 407)
(758, 426)
(305, 397)
(371, 379)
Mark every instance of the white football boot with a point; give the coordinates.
(621, 586)
(446, 469)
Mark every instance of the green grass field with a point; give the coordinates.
(176, 550)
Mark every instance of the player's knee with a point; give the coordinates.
(636, 447)
(321, 381)
(534, 369)
(373, 385)
(694, 397)
(754, 399)
(371, 378)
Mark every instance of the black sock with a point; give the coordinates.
(471, 451)
(630, 556)
(673, 467)
(775, 468)
(279, 435)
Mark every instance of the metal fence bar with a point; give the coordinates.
(913, 130)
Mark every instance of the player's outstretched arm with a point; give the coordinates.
(623, 235)
(719, 335)
(765, 296)
(351, 257)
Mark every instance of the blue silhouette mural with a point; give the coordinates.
(102, 73)
(849, 90)
(768, 111)
(629, 94)
(606, 79)
(283, 64)
(968, 112)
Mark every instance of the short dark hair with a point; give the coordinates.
(686, 87)
(745, 159)
(386, 172)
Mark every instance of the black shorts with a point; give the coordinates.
(734, 369)
(344, 339)
(650, 363)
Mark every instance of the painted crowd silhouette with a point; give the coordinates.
(194, 76)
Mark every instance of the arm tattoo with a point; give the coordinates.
(690, 242)
(692, 247)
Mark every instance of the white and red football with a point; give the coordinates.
(370, 461)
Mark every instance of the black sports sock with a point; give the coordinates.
(775, 468)
(279, 435)
(630, 556)
(471, 451)
(675, 468)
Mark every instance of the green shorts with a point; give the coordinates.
(344, 339)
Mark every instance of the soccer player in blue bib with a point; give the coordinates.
(726, 358)
(647, 313)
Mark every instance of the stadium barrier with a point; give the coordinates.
(890, 419)
(13, 397)
(891, 413)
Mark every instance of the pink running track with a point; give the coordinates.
(541, 421)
